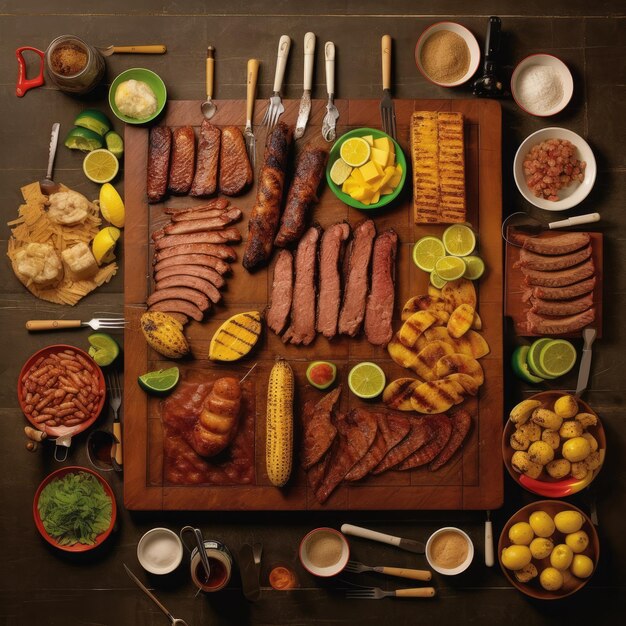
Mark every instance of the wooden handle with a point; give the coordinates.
(52, 324)
(386, 56)
(117, 431)
(253, 74)
(401, 572)
(210, 68)
(154, 49)
(419, 592)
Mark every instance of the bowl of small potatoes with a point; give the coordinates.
(549, 549)
(553, 444)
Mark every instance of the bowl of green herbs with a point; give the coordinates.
(74, 509)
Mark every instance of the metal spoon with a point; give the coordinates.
(47, 185)
(208, 108)
(197, 533)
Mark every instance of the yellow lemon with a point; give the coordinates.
(577, 541)
(112, 205)
(541, 523)
(568, 521)
(561, 557)
(516, 557)
(582, 566)
(551, 579)
(103, 244)
(541, 547)
(355, 151)
(100, 166)
(521, 534)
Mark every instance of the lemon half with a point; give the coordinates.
(112, 205)
(103, 244)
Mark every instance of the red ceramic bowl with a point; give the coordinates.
(77, 547)
(58, 431)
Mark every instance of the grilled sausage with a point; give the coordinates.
(561, 307)
(562, 293)
(539, 325)
(207, 273)
(222, 236)
(205, 180)
(560, 278)
(193, 260)
(216, 203)
(235, 169)
(159, 147)
(559, 244)
(549, 263)
(183, 160)
(180, 293)
(220, 251)
(191, 282)
(200, 225)
(178, 306)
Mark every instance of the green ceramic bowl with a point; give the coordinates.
(334, 155)
(153, 80)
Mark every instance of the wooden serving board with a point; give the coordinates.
(473, 479)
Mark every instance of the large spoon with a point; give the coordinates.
(150, 49)
(47, 185)
(208, 108)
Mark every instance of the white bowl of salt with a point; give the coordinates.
(542, 85)
(160, 551)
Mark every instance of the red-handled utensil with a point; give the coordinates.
(24, 83)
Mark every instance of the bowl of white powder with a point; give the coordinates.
(542, 85)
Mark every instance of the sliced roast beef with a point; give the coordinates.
(461, 424)
(199, 225)
(282, 291)
(440, 432)
(318, 428)
(217, 237)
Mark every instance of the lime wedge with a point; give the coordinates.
(520, 365)
(557, 357)
(160, 382)
(459, 240)
(115, 144)
(366, 380)
(450, 267)
(532, 358)
(427, 251)
(339, 172)
(475, 267)
(83, 139)
(94, 120)
(436, 280)
(100, 166)
(103, 348)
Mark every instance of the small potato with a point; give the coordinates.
(593, 461)
(593, 442)
(540, 452)
(566, 406)
(519, 441)
(522, 464)
(570, 429)
(559, 468)
(579, 470)
(551, 437)
(586, 419)
(547, 419)
(526, 574)
(530, 430)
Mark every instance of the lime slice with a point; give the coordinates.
(115, 144)
(355, 151)
(103, 244)
(427, 251)
(557, 357)
(366, 380)
(459, 240)
(450, 267)
(475, 267)
(160, 382)
(532, 358)
(340, 171)
(100, 166)
(112, 205)
(94, 120)
(103, 348)
(83, 139)
(436, 280)
(520, 365)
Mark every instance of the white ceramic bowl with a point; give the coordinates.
(455, 570)
(545, 60)
(569, 196)
(470, 40)
(147, 554)
(331, 570)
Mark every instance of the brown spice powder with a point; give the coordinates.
(445, 57)
(68, 59)
(449, 549)
(324, 549)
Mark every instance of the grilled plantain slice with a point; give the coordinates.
(460, 364)
(401, 354)
(458, 292)
(471, 343)
(468, 383)
(477, 324)
(435, 396)
(236, 337)
(460, 320)
(422, 303)
(397, 394)
(426, 362)
(434, 292)
(411, 330)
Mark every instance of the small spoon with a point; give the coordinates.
(208, 108)
(47, 185)
(150, 49)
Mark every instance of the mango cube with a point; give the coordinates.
(357, 176)
(370, 172)
(375, 197)
(391, 159)
(384, 143)
(362, 194)
(379, 156)
(385, 190)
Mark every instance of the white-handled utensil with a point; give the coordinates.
(489, 560)
(275, 107)
(588, 218)
(399, 542)
(305, 102)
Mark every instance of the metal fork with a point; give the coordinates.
(253, 73)
(376, 593)
(414, 574)
(275, 107)
(115, 401)
(97, 323)
(387, 110)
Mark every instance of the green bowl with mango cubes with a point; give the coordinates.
(386, 198)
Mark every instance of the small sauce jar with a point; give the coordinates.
(220, 563)
(73, 65)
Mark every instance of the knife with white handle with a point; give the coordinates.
(305, 102)
(589, 336)
(406, 544)
(578, 220)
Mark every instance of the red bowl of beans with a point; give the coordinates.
(61, 390)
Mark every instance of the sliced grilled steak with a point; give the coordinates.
(200, 214)
(178, 306)
(560, 244)
(222, 236)
(235, 169)
(540, 325)
(441, 430)
(461, 424)
(562, 293)
(200, 271)
(215, 203)
(205, 179)
(379, 310)
(302, 327)
(200, 225)
(561, 307)
(560, 278)
(220, 251)
(180, 293)
(198, 260)
(282, 292)
(357, 281)
(329, 299)
(183, 160)
(318, 428)
(550, 263)
(192, 282)
(159, 147)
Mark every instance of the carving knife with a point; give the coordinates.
(406, 544)
(305, 102)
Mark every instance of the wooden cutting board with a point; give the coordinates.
(471, 480)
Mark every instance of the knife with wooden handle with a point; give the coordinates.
(406, 544)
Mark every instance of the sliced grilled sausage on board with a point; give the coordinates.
(198, 225)
(183, 160)
(191, 282)
(540, 325)
(561, 293)
(559, 244)
(235, 169)
(159, 147)
(277, 315)
(265, 215)
(205, 179)
(215, 237)
(461, 424)
(211, 249)
(302, 195)
(560, 308)
(200, 271)
(180, 293)
(193, 260)
(183, 307)
(215, 203)
(560, 278)
(549, 263)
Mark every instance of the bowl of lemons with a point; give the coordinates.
(366, 169)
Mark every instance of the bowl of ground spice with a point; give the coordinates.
(449, 551)
(447, 54)
(324, 552)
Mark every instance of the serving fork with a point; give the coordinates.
(329, 123)
(401, 572)
(115, 402)
(275, 106)
(97, 323)
(376, 593)
(253, 73)
(387, 109)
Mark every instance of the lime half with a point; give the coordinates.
(436, 280)
(94, 120)
(459, 240)
(100, 166)
(366, 380)
(475, 267)
(520, 365)
(450, 267)
(103, 348)
(160, 382)
(427, 251)
(557, 357)
(83, 139)
(532, 358)
(340, 171)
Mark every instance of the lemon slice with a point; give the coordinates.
(103, 244)
(450, 267)
(355, 151)
(112, 205)
(339, 172)
(459, 240)
(475, 267)
(100, 166)
(427, 251)
(366, 380)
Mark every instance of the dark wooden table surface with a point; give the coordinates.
(39, 585)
